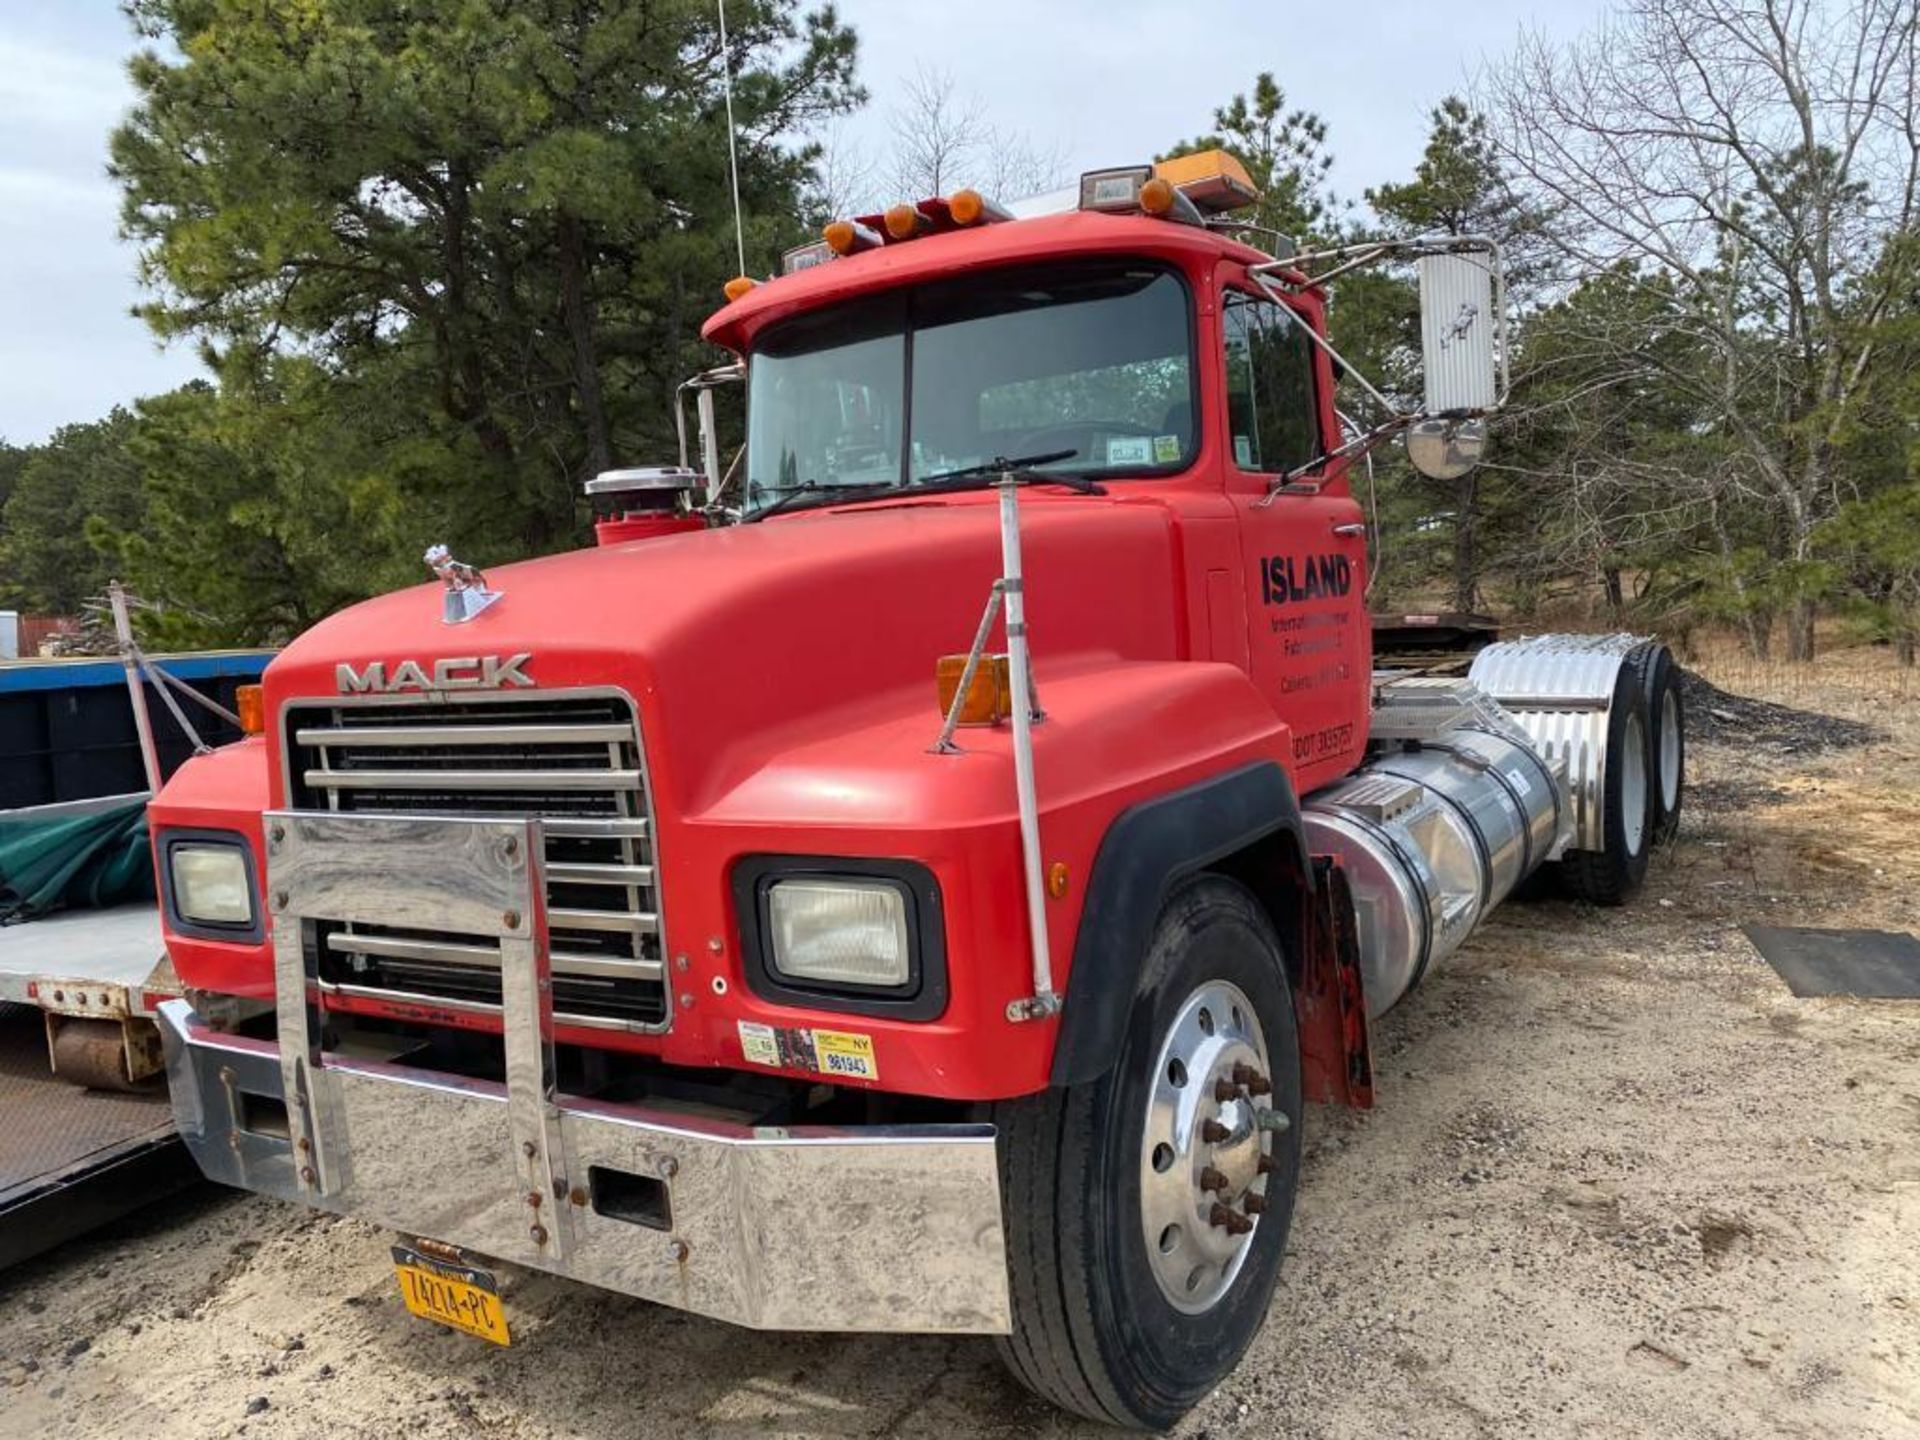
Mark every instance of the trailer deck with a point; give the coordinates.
(71, 1159)
(116, 947)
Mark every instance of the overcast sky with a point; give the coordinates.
(1109, 81)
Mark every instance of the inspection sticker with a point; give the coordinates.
(836, 1054)
(1129, 450)
(758, 1044)
(1166, 449)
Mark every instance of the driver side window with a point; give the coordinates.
(1272, 415)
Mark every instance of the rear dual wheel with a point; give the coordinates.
(1667, 735)
(1147, 1211)
(1643, 783)
(1609, 875)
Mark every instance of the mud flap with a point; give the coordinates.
(1335, 1055)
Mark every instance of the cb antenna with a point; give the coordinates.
(733, 151)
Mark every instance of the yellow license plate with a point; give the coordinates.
(457, 1295)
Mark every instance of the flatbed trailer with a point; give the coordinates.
(86, 1131)
(77, 985)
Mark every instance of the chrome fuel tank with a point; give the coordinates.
(1452, 812)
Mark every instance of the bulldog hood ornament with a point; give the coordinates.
(467, 593)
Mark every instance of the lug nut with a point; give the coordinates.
(668, 1167)
(1225, 1090)
(579, 1195)
(678, 1250)
(1212, 1179)
(511, 920)
(534, 1197)
(539, 1234)
(1231, 1221)
(1255, 1202)
(529, 1149)
(1214, 1133)
(1255, 1082)
(1267, 1167)
(306, 1173)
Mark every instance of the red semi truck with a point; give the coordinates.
(750, 915)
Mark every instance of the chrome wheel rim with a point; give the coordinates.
(1633, 785)
(1669, 752)
(1203, 1147)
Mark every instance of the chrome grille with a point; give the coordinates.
(573, 760)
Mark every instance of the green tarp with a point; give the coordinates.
(75, 861)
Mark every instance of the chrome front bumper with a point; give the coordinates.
(893, 1228)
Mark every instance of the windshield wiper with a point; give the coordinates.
(792, 495)
(1019, 466)
(986, 473)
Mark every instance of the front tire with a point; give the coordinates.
(1147, 1211)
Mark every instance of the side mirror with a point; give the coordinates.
(703, 385)
(1463, 349)
(1446, 449)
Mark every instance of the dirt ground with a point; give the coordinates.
(1620, 1182)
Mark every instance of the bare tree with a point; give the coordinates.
(843, 177)
(1757, 159)
(944, 142)
(1016, 165)
(940, 134)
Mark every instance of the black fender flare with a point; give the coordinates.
(1148, 849)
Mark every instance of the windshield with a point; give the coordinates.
(1091, 357)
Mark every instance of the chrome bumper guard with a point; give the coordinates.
(881, 1228)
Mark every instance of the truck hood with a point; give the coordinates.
(740, 643)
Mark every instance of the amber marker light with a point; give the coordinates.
(989, 698)
(905, 221)
(1156, 196)
(850, 237)
(737, 286)
(970, 207)
(1058, 880)
(250, 704)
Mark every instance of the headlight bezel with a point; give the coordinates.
(174, 841)
(923, 996)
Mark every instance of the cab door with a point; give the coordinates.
(1303, 537)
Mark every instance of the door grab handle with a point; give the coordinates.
(1351, 527)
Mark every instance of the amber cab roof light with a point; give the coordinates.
(1188, 188)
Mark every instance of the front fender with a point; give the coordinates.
(1150, 848)
(225, 790)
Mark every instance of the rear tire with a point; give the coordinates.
(1667, 721)
(1609, 875)
(1130, 1303)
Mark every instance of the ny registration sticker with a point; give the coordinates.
(847, 1056)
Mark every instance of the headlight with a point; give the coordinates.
(840, 932)
(212, 884)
